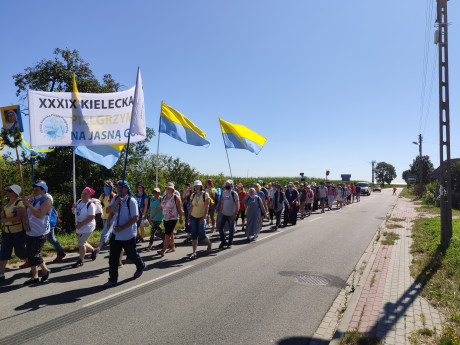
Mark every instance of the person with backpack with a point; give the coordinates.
(228, 207)
(212, 192)
(85, 209)
(107, 224)
(171, 206)
(255, 213)
(51, 238)
(13, 235)
(125, 213)
(199, 206)
(142, 199)
(37, 227)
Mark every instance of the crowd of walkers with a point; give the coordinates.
(201, 209)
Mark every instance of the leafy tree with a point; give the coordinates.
(385, 173)
(56, 75)
(427, 169)
(56, 167)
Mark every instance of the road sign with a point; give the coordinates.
(346, 177)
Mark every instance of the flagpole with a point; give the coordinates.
(74, 182)
(228, 160)
(158, 149)
(127, 146)
(32, 164)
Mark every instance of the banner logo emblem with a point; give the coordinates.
(54, 127)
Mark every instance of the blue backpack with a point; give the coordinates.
(53, 216)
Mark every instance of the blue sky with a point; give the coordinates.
(332, 85)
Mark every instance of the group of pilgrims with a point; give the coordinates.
(29, 222)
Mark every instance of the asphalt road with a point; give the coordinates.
(272, 291)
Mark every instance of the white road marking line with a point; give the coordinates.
(268, 236)
(314, 219)
(137, 286)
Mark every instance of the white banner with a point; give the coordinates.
(68, 119)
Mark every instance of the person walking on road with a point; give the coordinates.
(142, 199)
(358, 193)
(155, 221)
(242, 211)
(13, 236)
(310, 199)
(322, 193)
(125, 213)
(339, 195)
(85, 210)
(171, 206)
(212, 192)
(51, 238)
(292, 197)
(330, 195)
(199, 206)
(394, 190)
(278, 202)
(38, 212)
(255, 213)
(107, 224)
(228, 206)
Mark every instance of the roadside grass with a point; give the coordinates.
(397, 219)
(438, 270)
(393, 226)
(356, 338)
(390, 238)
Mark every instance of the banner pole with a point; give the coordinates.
(32, 164)
(74, 182)
(158, 149)
(20, 170)
(127, 147)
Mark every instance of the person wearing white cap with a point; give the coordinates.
(171, 206)
(199, 206)
(38, 211)
(13, 237)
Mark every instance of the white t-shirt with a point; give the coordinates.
(83, 211)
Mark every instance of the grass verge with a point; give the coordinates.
(438, 268)
(356, 338)
(390, 238)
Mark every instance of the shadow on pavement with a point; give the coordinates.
(395, 311)
(65, 297)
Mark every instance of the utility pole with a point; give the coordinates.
(373, 163)
(420, 166)
(444, 124)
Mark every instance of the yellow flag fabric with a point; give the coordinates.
(175, 116)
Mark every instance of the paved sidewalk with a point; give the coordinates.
(385, 302)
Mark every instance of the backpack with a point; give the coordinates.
(202, 193)
(53, 216)
(97, 204)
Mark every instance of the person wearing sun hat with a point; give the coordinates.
(38, 212)
(199, 207)
(125, 213)
(13, 236)
(171, 206)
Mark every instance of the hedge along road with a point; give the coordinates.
(277, 288)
